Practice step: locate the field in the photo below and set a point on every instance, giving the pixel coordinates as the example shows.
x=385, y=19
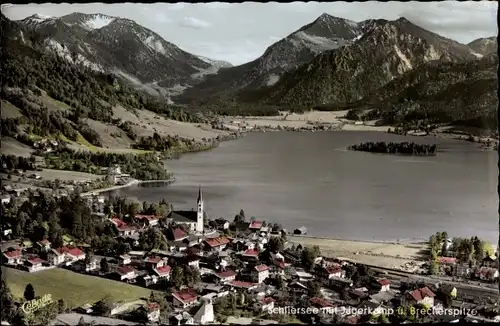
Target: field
x=76, y=289
x=387, y=255
x=10, y=146
x=10, y=111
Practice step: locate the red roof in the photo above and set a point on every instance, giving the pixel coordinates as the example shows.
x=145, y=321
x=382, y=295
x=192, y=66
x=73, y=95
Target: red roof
x=120, y=225
x=146, y=217
x=447, y=260
x=322, y=303
x=153, y=260
x=35, y=260
x=384, y=282
x=178, y=233
x=13, y=254
x=268, y=300
x=251, y=252
x=124, y=270
x=279, y=263
x=44, y=242
x=261, y=268
x=153, y=306
x=420, y=294
x=217, y=241
x=353, y=320
x=75, y=252
x=333, y=269
x=225, y=274
x=255, y=225
x=163, y=270
x=241, y=284
x=186, y=296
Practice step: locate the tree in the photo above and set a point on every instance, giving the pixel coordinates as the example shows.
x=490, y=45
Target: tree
x=104, y=265
x=103, y=307
x=276, y=244
x=314, y=289
x=178, y=277
x=433, y=267
x=242, y=213
x=309, y=255
x=29, y=292
x=8, y=304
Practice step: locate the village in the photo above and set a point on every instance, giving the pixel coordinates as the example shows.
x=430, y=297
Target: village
x=249, y=272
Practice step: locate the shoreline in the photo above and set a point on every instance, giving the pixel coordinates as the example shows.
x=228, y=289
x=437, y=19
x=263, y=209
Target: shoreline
x=129, y=184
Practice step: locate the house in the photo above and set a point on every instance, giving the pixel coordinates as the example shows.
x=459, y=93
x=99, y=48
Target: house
x=70, y=255
x=217, y=290
x=216, y=244
x=43, y=245
x=13, y=257
x=490, y=261
x=303, y=276
x=300, y=231
x=185, y=298
x=421, y=296
x=255, y=225
x=5, y=200
x=124, y=229
x=55, y=257
x=183, y=318
x=448, y=290
x=260, y=273
x=205, y=315
x=243, y=285
x=222, y=224
x=126, y=273
x=163, y=271
x=176, y=234
x=329, y=272
x=487, y=273
x=226, y=276
x=462, y=270
x=265, y=304
x=91, y=265
x=250, y=254
x=325, y=307
x=34, y=264
x=372, y=308
x=447, y=260
x=154, y=262
x=148, y=280
x=147, y=220
x=297, y=288
x=193, y=261
x=385, y=284
x=152, y=311
x=124, y=259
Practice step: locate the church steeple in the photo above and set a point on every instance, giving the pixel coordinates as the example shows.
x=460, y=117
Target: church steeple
x=200, y=196
x=200, y=212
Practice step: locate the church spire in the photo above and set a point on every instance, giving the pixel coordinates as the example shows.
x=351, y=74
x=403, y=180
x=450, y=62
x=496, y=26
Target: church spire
x=200, y=196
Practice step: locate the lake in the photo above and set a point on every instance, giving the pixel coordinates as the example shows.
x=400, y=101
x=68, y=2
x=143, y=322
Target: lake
x=309, y=179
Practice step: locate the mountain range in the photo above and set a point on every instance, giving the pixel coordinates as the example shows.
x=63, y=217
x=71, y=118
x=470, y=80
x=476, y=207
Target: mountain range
x=330, y=62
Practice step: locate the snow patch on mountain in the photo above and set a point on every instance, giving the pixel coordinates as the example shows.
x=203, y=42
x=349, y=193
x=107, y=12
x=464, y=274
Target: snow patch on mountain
x=98, y=21
x=155, y=45
x=75, y=58
x=215, y=63
x=478, y=55
x=272, y=79
x=315, y=43
x=39, y=18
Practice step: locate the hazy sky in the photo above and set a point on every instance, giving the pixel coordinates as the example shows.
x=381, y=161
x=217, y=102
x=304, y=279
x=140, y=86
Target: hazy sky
x=241, y=32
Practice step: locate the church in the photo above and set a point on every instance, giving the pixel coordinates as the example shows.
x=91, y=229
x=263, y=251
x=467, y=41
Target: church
x=194, y=219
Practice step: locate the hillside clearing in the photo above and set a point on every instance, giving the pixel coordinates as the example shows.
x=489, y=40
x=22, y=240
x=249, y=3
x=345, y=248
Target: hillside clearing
x=76, y=289
x=111, y=136
x=146, y=123
x=10, y=111
x=10, y=146
x=49, y=174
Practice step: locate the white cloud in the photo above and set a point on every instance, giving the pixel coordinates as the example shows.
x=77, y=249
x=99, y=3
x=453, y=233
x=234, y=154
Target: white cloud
x=192, y=22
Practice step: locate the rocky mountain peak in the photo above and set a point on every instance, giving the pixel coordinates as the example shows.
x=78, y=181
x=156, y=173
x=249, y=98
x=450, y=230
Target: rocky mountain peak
x=484, y=46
